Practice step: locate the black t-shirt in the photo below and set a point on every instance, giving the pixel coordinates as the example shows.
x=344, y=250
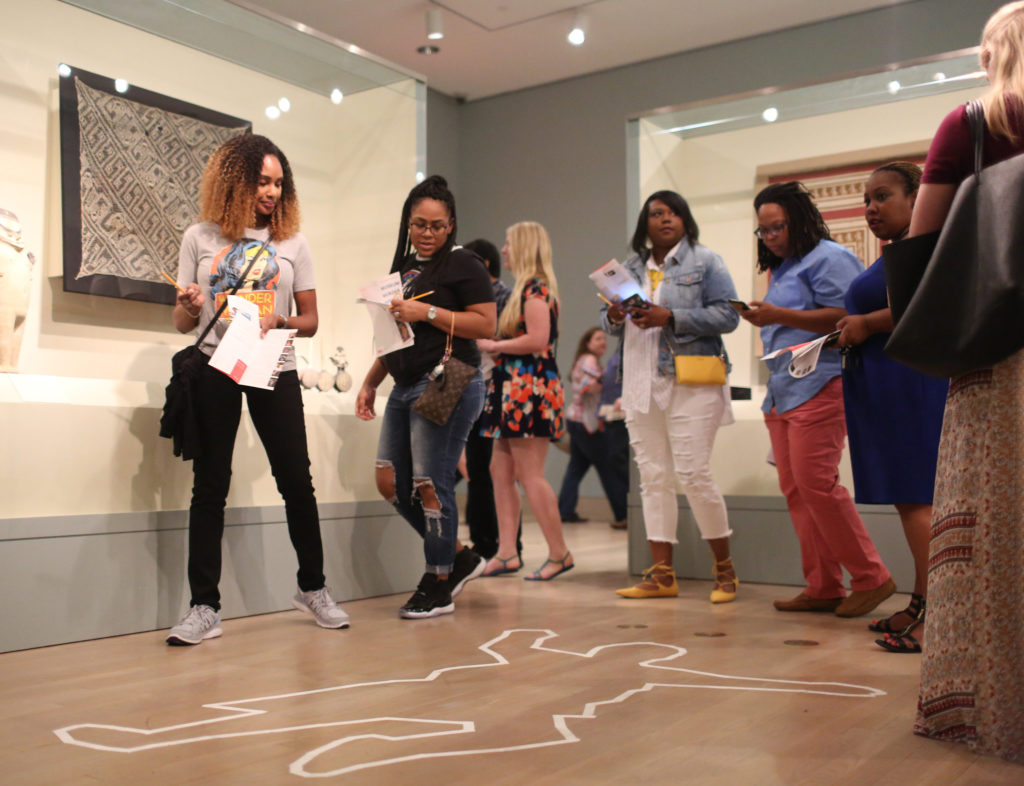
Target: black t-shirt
x=459, y=280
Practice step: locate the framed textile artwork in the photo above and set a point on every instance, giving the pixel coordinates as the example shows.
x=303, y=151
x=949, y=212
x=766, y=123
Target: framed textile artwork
x=131, y=163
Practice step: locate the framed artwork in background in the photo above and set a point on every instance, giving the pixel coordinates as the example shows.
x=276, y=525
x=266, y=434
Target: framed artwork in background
x=131, y=164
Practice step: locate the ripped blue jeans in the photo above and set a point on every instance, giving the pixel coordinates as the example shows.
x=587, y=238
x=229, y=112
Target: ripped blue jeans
x=423, y=454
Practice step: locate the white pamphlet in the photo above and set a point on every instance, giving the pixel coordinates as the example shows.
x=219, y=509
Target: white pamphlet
x=246, y=357
x=617, y=285
x=389, y=335
x=805, y=356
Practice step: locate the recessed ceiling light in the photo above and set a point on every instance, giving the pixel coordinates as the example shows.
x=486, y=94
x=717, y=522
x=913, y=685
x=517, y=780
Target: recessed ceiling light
x=336, y=96
x=428, y=49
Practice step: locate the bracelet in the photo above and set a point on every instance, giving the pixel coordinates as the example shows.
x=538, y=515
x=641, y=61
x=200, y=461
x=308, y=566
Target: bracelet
x=194, y=316
x=285, y=326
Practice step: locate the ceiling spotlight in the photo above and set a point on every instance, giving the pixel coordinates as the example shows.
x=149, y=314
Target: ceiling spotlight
x=428, y=49
x=336, y=96
x=284, y=104
x=938, y=76
x=434, y=30
x=770, y=115
x=578, y=34
x=121, y=85
x=272, y=112
x=893, y=87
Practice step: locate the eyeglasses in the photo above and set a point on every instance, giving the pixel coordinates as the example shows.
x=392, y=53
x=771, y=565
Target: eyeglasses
x=773, y=231
x=434, y=228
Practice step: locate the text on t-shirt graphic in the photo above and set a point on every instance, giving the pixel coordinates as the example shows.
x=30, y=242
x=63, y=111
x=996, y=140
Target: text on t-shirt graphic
x=260, y=285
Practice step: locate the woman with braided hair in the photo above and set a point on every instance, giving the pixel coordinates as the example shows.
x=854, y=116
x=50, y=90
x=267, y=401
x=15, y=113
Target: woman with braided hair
x=247, y=197
x=447, y=293
x=809, y=278
x=893, y=413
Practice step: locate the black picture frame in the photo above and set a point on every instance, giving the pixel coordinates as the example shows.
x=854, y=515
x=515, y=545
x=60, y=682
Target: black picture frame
x=102, y=284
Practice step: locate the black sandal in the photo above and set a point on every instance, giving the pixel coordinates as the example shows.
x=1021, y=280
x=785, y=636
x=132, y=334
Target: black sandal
x=903, y=641
x=914, y=610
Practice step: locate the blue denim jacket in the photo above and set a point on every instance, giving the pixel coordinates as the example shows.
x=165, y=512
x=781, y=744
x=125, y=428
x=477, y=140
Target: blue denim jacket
x=696, y=289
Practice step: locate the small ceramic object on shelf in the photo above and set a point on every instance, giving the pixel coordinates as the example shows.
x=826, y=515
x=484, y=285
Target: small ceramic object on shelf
x=342, y=380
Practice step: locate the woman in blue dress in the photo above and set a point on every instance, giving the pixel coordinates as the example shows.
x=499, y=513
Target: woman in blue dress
x=893, y=413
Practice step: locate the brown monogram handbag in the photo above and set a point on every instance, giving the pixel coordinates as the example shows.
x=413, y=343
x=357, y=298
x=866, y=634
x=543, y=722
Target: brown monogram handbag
x=447, y=382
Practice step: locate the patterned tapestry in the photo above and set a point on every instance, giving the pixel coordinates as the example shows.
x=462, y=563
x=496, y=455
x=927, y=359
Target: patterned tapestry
x=139, y=161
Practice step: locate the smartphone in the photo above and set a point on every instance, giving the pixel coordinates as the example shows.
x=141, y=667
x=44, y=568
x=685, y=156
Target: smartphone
x=739, y=305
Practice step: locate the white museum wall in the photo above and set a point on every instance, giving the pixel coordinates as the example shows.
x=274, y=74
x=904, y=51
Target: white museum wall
x=93, y=525
x=353, y=165
x=720, y=174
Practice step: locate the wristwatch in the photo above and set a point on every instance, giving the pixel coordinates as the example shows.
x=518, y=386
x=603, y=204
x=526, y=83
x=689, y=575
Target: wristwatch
x=432, y=313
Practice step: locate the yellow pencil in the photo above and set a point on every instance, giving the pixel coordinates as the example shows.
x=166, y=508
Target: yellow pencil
x=606, y=300
x=422, y=294
x=171, y=281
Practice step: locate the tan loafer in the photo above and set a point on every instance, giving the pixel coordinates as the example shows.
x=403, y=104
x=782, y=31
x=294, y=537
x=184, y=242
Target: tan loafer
x=861, y=602
x=803, y=602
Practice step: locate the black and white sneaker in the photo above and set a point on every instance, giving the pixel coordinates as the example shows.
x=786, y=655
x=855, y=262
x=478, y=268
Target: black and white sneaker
x=468, y=566
x=432, y=598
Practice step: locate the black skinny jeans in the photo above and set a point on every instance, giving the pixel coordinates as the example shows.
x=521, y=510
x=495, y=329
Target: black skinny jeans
x=277, y=416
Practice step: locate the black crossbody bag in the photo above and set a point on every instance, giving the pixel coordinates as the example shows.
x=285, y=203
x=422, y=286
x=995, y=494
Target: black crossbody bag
x=178, y=422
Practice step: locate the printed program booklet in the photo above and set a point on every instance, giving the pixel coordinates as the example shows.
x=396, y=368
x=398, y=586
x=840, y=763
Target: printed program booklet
x=617, y=285
x=244, y=356
x=389, y=335
x=805, y=356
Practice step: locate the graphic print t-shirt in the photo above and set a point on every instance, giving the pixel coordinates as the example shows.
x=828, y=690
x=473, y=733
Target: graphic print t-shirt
x=215, y=263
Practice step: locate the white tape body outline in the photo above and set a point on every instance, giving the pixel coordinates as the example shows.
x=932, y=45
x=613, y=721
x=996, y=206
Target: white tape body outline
x=560, y=721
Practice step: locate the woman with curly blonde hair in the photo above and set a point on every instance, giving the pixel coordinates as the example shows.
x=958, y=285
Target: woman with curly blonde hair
x=972, y=685
x=523, y=409
x=248, y=201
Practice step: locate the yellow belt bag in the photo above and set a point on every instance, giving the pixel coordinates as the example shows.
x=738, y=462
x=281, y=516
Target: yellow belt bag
x=700, y=369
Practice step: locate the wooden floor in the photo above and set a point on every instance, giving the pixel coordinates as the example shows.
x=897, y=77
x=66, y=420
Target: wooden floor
x=560, y=683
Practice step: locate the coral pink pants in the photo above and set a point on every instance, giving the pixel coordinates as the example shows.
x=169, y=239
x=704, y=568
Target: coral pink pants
x=808, y=442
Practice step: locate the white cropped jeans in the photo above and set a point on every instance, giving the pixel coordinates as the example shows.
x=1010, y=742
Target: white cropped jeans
x=675, y=444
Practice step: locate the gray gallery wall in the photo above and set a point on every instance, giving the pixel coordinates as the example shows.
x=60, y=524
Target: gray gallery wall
x=557, y=153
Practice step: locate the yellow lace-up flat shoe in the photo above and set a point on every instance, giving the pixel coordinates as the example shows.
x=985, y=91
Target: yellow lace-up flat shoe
x=659, y=581
x=724, y=574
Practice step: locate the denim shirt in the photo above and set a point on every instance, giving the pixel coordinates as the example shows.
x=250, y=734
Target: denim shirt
x=818, y=280
x=696, y=289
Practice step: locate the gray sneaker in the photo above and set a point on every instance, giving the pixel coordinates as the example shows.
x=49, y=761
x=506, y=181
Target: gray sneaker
x=321, y=605
x=200, y=622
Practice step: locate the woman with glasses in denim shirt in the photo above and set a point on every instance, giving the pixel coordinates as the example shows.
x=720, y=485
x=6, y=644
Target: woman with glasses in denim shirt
x=444, y=290
x=810, y=275
x=672, y=426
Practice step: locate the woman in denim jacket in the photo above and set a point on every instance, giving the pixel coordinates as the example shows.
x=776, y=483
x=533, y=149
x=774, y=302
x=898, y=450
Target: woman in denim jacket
x=672, y=426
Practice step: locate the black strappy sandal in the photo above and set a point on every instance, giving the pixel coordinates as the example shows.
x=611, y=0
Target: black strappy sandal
x=914, y=610
x=904, y=641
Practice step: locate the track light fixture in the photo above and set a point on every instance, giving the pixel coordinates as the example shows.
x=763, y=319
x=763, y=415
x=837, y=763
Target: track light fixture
x=578, y=33
x=435, y=30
